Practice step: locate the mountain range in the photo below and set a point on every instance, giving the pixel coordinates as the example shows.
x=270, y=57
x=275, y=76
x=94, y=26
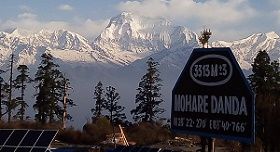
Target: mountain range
x=118, y=56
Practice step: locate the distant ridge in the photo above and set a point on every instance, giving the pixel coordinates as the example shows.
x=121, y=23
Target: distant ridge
x=127, y=38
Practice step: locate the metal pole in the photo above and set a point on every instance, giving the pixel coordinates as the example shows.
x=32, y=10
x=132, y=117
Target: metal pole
x=211, y=145
x=203, y=144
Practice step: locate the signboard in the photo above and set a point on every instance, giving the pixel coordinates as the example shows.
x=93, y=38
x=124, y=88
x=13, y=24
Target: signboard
x=212, y=97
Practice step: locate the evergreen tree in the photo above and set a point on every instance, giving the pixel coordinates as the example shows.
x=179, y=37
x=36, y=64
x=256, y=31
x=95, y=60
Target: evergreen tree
x=112, y=106
x=274, y=117
x=64, y=87
x=261, y=71
x=148, y=97
x=50, y=91
x=115, y=110
x=99, y=100
x=1, y=94
x=275, y=77
x=265, y=82
x=20, y=83
x=1, y=98
x=4, y=91
x=11, y=104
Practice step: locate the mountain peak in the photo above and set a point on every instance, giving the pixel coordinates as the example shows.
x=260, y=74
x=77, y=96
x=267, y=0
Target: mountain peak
x=20, y=32
x=122, y=18
x=15, y=32
x=43, y=31
x=135, y=37
x=125, y=13
x=272, y=35
x=137, y=20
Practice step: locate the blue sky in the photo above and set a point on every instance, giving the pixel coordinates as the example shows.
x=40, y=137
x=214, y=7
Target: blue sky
x=228, y=19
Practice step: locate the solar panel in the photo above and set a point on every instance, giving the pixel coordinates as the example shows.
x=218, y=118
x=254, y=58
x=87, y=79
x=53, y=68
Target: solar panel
x=31, y=137
x=4, y=134
x=8, y=149
x=38, y=149
x=23, y=149
x=20, y=140
x=46, y=138
x=15, y=137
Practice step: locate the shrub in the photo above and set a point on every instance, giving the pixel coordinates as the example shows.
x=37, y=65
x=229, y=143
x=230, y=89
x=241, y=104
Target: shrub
x=72, y=136
x=98, y=129
x=146, y=133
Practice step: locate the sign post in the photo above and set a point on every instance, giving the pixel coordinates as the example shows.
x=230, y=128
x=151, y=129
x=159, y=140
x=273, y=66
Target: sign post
x=212, y=97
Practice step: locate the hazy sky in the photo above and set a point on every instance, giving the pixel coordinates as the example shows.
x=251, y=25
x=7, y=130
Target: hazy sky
x=228, y=19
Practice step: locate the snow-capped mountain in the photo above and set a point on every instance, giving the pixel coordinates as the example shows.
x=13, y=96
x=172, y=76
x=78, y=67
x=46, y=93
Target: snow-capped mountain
x=245, y=50
x=118, y=55
x=62, y=44
x=129, y=37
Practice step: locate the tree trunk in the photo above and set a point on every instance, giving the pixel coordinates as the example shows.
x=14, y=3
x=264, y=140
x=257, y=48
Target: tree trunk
x=10, y=90
x=64, y=106
x=22, y=101
x=0, y=100
x=111, y=117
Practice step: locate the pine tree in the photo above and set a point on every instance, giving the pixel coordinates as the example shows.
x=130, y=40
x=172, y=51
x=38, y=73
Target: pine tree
x=112, y=106
x=1, y=98
x=148, y=97
x=116, y=114
x=11, y=103
x=274, y=117
x=275, y=78
x=50, y=91
x=261, y=71
x=1, y=94
x=4, y=91
x=64, y=87
x=99, y=100
x=265, y=81
x=20, y=83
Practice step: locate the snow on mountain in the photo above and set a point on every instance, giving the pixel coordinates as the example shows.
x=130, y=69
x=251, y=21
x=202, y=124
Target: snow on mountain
x=245, y=50
x=62, y=44
x=129, y=37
